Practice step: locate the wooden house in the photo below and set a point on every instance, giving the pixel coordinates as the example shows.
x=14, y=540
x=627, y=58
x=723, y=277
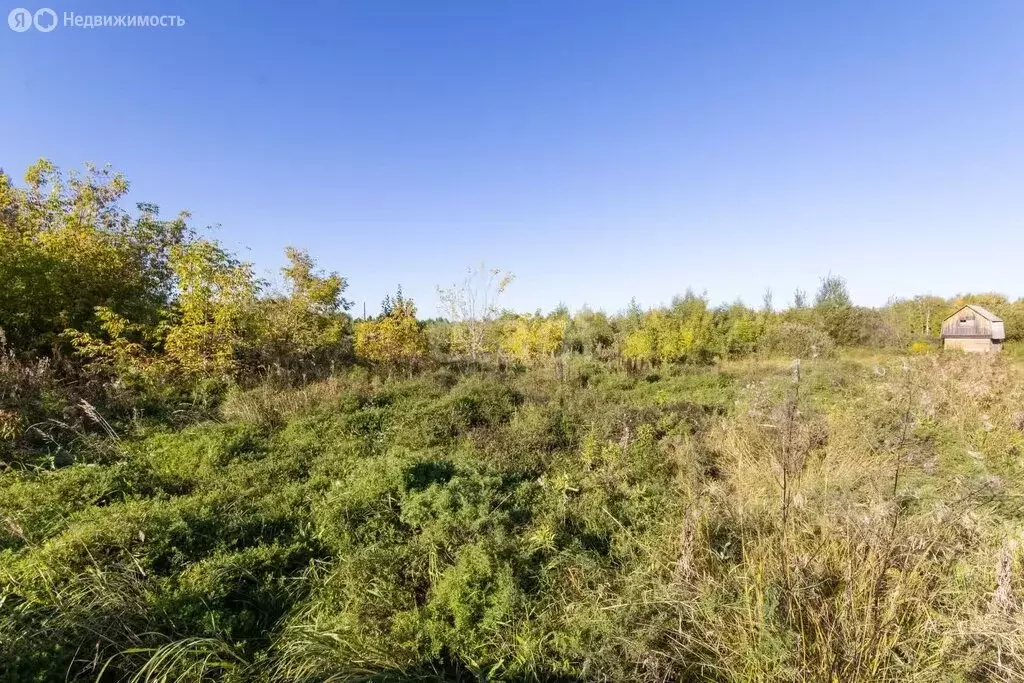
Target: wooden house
x=974, y=329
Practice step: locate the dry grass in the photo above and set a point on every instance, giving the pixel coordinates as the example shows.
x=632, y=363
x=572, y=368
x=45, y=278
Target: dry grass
x=878, y=533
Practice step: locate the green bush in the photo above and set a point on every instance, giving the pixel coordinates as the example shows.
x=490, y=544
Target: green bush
x=797, y=340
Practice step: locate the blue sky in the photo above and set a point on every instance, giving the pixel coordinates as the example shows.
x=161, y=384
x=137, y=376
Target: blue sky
x=600, y=150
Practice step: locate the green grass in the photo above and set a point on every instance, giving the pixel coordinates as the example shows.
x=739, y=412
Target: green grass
x=863, y=522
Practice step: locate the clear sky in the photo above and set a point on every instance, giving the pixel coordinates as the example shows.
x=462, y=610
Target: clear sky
x=600, y=150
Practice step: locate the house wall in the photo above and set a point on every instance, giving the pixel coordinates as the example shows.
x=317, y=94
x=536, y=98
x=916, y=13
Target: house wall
x=971, y=345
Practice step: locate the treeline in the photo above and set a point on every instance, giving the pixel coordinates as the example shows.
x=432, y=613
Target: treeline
x=689, y=330
x=692, y=330
x=134, y=309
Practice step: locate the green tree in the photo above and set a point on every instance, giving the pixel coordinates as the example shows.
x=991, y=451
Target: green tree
x=834, y=312
x=67, y=247
x=306, y=329
x=589, y=332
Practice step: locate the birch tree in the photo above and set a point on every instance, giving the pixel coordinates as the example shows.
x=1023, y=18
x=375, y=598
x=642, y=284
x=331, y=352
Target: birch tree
x=471, y=306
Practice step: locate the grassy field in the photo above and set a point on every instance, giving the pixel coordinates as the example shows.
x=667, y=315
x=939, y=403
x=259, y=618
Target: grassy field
x=849, y=519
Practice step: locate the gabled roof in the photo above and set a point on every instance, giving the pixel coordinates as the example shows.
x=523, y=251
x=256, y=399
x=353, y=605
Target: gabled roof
x=980, y=310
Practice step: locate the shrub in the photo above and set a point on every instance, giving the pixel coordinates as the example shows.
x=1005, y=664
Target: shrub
x=798, y=340
x=923, y=346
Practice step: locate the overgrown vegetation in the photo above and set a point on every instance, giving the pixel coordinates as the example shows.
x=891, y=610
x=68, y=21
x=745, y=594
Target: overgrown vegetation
x=202, y=478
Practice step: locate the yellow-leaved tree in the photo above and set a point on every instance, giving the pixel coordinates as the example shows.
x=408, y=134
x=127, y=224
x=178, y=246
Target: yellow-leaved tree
x=395, y=338
x=641, y=343
x=528, y=339
x=215, y=304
